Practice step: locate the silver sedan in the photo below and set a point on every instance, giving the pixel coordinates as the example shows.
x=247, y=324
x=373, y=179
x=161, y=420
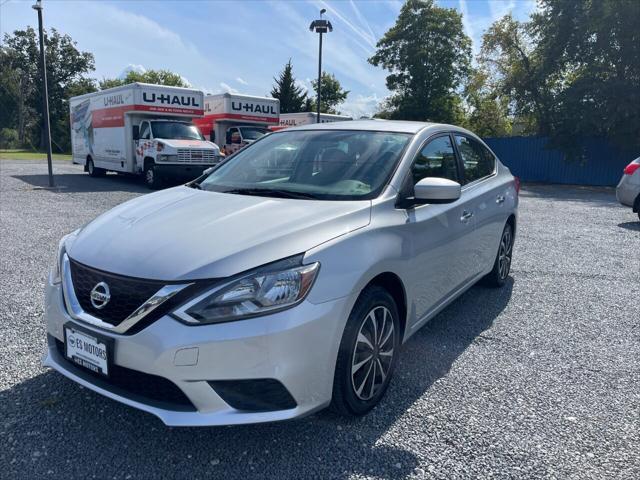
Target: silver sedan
x=628, y=190
x=287, y=279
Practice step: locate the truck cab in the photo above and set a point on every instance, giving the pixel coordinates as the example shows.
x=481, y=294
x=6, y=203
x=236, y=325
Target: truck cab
x=171, y=148
x=239, y=136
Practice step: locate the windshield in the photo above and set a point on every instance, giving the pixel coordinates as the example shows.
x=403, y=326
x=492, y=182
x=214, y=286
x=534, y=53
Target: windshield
x=321, y=164
x=175, y=131
x=253, y=133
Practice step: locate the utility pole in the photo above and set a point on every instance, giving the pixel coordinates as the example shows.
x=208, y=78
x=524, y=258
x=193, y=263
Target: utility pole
x=45, y=91
x=320, y=26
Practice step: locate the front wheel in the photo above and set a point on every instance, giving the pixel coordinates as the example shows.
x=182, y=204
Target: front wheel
x=93, y=170
x=502, y=264
x=151, y=178
x=368, y=353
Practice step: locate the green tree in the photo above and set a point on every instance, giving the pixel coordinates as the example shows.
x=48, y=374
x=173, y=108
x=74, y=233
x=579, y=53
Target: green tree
x=66, y=69
x=509, y=57
x=332, y=94
x=428, y=57
x=292, y=97
x=487, y=111
x=592, y=48
x=159, y=77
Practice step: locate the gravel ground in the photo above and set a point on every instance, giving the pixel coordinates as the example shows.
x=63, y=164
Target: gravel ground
x=539, y=379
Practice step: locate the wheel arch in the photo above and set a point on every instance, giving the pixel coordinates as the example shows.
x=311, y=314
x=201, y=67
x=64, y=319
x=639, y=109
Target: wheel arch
x=393, y=284
x=512, y=221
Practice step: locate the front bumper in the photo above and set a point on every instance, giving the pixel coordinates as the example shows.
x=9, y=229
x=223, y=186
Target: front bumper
x=189, y=171
x=297, y=347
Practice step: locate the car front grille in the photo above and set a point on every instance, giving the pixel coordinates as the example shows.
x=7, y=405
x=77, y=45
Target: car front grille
x=133, y=384
x=192, y=155
x=127, y=294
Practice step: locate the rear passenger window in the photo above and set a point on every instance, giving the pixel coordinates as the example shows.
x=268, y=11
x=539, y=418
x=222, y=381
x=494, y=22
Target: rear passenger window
x=477, y=160
x=436, y=159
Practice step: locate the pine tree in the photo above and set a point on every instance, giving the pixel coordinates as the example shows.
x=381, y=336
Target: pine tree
x=292, y=97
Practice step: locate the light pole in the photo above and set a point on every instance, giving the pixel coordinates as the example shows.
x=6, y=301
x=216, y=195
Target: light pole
x=320, y=26
x=45, y=91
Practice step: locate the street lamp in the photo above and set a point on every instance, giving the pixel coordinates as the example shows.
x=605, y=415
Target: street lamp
x=45, y=96
x=320, y=26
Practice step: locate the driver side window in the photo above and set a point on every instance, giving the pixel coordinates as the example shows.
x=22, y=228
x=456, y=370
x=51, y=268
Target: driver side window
x=436, y=159
x=145, y=131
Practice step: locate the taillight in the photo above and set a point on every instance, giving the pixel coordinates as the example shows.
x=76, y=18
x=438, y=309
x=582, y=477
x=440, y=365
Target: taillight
x=631, y=168
x=517, y=180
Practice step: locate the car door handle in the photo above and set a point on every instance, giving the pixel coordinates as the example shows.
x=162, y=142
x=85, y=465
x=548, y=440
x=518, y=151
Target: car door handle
x=466, y=216
x=500, y=199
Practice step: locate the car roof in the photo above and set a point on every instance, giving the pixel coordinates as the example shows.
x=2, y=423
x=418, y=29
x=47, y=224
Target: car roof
x=399, y=126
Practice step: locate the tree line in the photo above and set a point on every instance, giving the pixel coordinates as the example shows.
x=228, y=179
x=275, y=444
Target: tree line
x=572, y=70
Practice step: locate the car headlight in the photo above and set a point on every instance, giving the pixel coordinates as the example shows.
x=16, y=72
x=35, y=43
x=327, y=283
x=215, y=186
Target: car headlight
x=272, y=288
x=167, y=158
x=56, y=271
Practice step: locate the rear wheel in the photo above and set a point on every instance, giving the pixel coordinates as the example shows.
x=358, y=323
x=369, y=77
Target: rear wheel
x=151, y=178
x=502, y=265
x=93, y=170
x=368, y=353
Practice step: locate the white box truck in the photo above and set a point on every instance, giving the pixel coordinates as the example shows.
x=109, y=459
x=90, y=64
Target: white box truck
x=141, y=129
x=305, y=118
x=233, y=121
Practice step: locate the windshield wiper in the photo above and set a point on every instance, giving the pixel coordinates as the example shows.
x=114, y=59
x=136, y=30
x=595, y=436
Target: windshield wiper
x=194, y=184
x=271, y=192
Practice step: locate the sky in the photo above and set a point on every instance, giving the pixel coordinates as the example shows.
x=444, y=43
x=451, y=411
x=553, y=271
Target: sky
x=239, y=46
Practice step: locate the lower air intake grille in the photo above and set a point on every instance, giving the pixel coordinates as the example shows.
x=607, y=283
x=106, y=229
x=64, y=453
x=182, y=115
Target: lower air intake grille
x=259, y=395
x=139, y=386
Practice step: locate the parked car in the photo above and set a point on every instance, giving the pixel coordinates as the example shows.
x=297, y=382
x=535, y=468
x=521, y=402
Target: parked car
x=628, y=190
x=242, y=297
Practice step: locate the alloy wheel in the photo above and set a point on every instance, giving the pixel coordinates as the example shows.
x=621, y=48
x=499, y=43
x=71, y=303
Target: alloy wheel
x=373, y=353
x=504, y=254
x=149, y=176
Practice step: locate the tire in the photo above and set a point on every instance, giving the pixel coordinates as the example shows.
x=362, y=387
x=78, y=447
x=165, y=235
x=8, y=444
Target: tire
x=502, y=264
x=151, y=178
x=95, y=171
x=356, y=392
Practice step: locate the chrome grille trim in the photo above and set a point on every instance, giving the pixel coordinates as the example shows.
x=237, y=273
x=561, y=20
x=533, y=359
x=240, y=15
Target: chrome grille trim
x=75, y=310
x=195, y=155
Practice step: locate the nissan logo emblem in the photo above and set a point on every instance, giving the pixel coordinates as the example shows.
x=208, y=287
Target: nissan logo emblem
x=100, y=295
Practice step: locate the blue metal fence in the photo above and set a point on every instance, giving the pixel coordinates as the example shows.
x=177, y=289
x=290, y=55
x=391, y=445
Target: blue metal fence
x=528, y=159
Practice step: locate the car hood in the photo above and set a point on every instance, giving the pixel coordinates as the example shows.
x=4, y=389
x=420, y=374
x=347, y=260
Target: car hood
x=187, y=143
x=185, y=234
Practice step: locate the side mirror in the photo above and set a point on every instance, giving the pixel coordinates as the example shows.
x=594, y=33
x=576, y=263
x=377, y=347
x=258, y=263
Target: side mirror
x=436, y=190
x=136, y=132
x=212, y=136
x=432, y=190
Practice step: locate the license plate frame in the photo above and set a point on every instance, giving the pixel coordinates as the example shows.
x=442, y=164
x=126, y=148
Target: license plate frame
x=88, y=362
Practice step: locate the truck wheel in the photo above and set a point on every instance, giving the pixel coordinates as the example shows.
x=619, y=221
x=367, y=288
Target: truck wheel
x=151, y=178
x=95, y=171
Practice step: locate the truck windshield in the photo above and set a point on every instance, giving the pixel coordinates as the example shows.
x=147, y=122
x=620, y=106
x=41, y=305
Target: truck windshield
x=313, y=164
x=253, y=133
x=175, y=130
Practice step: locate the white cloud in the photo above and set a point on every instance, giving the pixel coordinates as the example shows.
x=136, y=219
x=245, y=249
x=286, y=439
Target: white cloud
x=241, y=81
x=361, y=105
x=228, y=88
x=131, y=68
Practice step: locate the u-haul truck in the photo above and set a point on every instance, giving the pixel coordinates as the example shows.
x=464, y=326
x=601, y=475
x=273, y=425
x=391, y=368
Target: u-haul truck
x=305, y=118
x=233, y=121
x=141, y=129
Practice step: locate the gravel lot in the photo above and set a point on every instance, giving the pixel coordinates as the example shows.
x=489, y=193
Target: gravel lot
x=540, y=379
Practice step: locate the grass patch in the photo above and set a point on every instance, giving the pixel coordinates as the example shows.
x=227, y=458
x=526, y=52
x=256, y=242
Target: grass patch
x=29, y=155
